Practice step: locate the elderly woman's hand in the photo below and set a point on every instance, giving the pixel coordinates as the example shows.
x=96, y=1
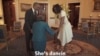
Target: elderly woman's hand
x=39, y=15
x=57, y=31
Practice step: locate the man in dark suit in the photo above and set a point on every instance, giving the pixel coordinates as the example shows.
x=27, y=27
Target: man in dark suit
x=30, y=18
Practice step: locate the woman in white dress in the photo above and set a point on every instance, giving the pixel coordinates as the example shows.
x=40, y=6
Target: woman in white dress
x=65, y=29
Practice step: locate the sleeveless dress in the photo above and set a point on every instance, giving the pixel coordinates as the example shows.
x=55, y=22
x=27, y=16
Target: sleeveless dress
x=65, y=31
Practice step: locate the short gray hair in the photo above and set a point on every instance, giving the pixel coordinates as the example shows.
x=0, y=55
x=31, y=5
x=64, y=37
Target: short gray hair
x=40, y=17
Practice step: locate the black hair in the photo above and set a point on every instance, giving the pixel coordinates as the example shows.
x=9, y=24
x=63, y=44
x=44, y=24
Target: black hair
x=35, y=4
x=56, y=8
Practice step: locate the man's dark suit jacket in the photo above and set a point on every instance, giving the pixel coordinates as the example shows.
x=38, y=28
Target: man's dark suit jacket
x=30, y=17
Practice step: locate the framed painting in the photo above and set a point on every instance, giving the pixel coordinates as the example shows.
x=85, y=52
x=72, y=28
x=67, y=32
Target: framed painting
x=97, y=5
x=25, y=7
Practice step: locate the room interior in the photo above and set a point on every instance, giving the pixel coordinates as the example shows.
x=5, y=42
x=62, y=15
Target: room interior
x=81, y=13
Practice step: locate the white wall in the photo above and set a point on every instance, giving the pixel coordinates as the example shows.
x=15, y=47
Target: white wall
x=1, y=13
x=51, y=22
x=21, y=14
x=87, y=9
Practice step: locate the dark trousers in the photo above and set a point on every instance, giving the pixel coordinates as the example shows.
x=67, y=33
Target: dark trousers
x=29, y=44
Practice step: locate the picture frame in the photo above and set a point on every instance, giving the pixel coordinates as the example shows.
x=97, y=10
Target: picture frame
x=17, y=26
x=97, y=5
x=25, y=7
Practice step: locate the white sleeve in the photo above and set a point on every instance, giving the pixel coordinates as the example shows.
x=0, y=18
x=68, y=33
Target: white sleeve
x=63, y=16
x=63, y=13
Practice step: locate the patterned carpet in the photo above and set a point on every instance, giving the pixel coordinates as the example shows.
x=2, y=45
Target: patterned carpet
x=79, y=48
x=80, y=44
x=17, y=48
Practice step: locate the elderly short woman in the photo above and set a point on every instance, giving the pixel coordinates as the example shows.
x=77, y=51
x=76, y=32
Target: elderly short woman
x=39, y=30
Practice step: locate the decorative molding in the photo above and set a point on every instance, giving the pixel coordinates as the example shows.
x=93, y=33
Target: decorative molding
x=41, y=0
x=21, y=18
x=52, y=17
x=93, y=19
x=97, y=0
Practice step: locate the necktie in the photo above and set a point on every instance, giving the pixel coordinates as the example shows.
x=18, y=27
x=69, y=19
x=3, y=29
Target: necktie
x=35, y=12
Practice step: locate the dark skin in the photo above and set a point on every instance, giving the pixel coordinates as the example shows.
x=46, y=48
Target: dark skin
x=36, y=7
x=57, y=10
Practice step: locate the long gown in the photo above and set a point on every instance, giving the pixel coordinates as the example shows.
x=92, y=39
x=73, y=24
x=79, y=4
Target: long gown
x=65, y=31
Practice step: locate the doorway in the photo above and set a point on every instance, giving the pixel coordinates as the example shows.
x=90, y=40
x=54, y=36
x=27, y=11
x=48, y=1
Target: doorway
x=44, y=9
x=74, y=14
x=9, y=13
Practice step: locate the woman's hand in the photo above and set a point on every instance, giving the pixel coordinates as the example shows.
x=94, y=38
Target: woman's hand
x=57, y=31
